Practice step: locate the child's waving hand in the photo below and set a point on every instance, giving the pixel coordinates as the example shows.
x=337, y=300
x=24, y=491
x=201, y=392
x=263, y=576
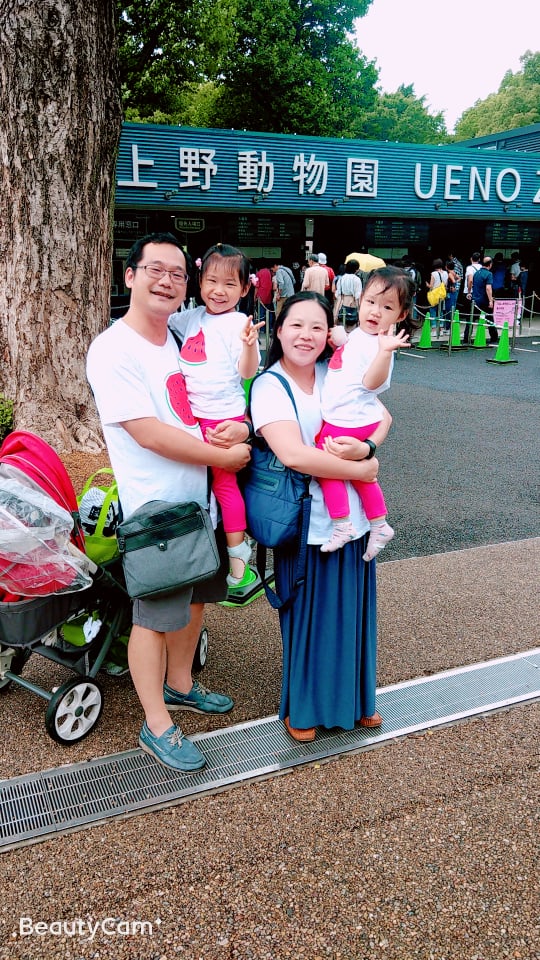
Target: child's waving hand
x=390, y=341
x=250, y=334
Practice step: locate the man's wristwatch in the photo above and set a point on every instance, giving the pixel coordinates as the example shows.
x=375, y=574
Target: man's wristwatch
x=372, y=448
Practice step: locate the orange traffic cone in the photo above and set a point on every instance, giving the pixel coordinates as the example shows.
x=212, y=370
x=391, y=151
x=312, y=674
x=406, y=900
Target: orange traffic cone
x=503, y=350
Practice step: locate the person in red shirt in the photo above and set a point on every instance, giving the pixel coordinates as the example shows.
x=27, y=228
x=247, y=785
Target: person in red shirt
x=264, y=295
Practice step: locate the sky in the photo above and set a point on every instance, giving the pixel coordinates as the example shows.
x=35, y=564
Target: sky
x=453, y=54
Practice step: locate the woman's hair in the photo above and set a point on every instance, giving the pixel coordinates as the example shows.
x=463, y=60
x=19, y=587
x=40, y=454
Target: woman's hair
x=437, y=264
x=394, y=278
x=236, y=261
x=275, y=351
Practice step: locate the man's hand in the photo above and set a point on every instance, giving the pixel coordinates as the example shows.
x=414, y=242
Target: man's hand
x=227, y=433
x=236, y=457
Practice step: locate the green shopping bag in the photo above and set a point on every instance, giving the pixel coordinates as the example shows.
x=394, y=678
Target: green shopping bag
x=98, y=510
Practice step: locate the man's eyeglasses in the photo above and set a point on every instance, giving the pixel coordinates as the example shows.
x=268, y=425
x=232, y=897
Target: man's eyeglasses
x=156, y=273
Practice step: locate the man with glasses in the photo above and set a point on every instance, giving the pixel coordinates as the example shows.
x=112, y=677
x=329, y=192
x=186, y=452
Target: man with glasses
x=157, y=453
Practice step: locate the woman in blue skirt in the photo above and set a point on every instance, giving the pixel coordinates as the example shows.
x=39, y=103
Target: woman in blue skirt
x=329, y=632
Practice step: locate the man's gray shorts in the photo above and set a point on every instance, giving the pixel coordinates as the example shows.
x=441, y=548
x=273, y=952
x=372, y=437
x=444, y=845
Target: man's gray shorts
x=166, y=614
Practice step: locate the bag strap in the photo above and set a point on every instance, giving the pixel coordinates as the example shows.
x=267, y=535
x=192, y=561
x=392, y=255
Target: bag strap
x=299, y=574
x=177, y=337
x=90, y=482
x=111, y=493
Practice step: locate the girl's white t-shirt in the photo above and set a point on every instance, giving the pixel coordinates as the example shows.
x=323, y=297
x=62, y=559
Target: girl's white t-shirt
x=271, y=404
x=345, y=400
x=211, y=349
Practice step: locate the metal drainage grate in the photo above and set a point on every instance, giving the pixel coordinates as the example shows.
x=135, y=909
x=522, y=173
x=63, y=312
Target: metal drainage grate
x=43, y=804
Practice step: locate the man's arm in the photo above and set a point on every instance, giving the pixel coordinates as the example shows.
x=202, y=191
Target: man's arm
x=175, y=444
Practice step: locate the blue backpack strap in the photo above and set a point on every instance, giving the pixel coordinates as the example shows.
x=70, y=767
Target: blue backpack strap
x=284, y=383
x=300, y=564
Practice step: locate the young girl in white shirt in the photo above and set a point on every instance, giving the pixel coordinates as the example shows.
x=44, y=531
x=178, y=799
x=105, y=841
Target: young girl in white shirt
x=220, y=349
x=358, y=371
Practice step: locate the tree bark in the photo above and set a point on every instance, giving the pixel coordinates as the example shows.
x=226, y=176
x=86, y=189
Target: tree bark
x=59, y=133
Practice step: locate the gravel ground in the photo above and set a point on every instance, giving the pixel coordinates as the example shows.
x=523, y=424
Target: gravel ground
x=426, y=849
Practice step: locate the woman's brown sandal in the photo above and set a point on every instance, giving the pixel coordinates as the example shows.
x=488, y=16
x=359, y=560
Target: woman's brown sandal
x=374, y=721
x=302, y=736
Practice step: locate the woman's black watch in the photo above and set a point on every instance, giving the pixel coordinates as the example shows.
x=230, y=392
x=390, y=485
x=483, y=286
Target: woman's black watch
x=372, y=448
x=251, y=435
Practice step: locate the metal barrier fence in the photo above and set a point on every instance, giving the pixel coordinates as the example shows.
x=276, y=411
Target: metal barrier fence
x=515, y=312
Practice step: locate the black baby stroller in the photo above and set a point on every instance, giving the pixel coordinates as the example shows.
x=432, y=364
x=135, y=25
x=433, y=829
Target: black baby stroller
x=47, y=592
x=68, y=609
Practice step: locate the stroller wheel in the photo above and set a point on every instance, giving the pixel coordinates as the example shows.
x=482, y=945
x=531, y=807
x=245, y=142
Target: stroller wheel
x=201, y=653
x=12, y=660
x=74, y=709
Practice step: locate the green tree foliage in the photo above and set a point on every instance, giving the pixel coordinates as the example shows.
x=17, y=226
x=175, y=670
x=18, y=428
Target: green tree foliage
x=516, y=103
x=404, y=117
x=167, y=48
x=283, y=66
x=286, y=66
x=295, y=69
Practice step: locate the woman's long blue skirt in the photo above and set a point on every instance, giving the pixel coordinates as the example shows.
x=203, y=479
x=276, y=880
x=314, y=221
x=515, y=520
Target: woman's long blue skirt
x=329, y=638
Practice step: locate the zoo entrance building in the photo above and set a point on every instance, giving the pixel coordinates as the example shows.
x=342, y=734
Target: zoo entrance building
x=278, y=196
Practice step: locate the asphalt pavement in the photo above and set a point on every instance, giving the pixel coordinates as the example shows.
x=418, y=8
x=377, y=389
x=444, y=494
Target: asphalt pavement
x=461, y=464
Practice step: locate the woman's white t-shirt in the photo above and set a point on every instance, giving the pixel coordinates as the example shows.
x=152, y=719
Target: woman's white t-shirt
x=271, y=404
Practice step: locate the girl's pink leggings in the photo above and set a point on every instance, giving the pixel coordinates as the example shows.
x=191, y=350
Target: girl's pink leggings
x=335, y=491
x=226, y=490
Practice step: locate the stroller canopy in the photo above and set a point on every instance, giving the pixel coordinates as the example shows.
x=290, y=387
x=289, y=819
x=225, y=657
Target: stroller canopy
x=36, y=458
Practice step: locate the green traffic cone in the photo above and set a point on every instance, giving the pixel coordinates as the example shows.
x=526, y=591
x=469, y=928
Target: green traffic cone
x=480, y=335
x=455, y=336
x=503, y=350
x=425, y=337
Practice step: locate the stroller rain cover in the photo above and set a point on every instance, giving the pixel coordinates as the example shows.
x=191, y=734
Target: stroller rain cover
x=39, y=523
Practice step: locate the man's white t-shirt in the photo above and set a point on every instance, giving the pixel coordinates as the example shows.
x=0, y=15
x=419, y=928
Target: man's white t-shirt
x=270, y=404
x=132, y=378
x=470, y=272
x=211, y=349
x=345, y=401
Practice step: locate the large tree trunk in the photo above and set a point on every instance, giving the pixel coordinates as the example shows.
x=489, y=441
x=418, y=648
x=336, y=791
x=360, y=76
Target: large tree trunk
x=59, y=131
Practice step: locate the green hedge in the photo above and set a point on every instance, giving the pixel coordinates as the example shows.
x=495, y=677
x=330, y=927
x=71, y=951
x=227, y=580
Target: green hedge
x=6, y=417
